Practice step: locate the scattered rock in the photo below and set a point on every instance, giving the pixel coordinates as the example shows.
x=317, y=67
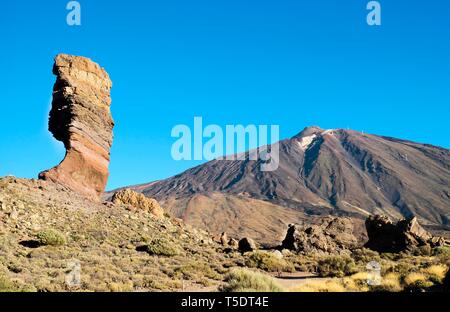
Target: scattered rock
x=14, y=215
x=405, y=235
x=333, y=235
x=233, y=243
x=247, y=244
x=178, y=222
x=138, y=201
x=81, y=118
x=224, y=239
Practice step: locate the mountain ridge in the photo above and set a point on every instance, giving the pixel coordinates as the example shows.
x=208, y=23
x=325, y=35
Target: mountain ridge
x=321, y=172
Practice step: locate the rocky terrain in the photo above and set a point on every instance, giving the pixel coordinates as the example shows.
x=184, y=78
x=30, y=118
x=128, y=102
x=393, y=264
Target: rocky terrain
x=53, y=239
x=279, y=230
x=322, y=172
x=81, y=118
x=46, y=228
x=387, y=236
x=331, y=236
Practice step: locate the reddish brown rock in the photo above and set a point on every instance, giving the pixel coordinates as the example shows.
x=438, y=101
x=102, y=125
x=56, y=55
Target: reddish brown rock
x=81, y=118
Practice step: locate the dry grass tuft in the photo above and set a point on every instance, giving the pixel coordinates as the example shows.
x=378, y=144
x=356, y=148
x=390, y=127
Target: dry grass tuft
x=244, y=280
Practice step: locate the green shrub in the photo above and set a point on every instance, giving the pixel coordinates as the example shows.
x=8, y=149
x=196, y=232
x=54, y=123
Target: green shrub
x=423, y=251
x=402, y=268
x=51, y=238
x=391, y=256
x=161, y=247
x=442, y=251
x=267, y=261
x=244, y=280
x=336, y=266
x=365, y=255
x=6, y=285
x=195, y=270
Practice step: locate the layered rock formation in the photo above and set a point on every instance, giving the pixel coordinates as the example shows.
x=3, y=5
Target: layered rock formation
x=81, y=118
x=138, y=201
x=407, y=234
x=333, y=235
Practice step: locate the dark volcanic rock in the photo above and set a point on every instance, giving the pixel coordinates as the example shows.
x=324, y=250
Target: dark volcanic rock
x=247, y=244
x=407, y=234
x=333, y=235
x=81, y=118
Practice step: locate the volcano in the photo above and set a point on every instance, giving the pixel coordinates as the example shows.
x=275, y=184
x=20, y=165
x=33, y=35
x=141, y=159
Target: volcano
x=321, y=172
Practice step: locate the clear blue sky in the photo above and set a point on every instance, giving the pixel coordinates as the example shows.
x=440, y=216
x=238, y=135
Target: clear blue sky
x=292, y=63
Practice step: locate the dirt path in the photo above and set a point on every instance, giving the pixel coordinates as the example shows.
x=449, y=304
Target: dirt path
x=286, y=280
x=291, y=280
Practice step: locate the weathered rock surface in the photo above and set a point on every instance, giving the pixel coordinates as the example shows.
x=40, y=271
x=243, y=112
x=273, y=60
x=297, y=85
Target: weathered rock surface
x=333, y=235
x=138, y=201
x=233, y=243
x=224, y=239
x=247, y=244
x=407, y=234
x=81, y=118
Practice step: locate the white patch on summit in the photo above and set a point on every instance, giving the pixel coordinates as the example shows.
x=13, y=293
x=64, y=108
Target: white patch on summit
x=305, y=142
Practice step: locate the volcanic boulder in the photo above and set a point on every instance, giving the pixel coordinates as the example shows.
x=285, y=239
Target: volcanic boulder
x=332, y=235
x=405, y=235
x=80, y=117
x=247, y=244
x=138, y=201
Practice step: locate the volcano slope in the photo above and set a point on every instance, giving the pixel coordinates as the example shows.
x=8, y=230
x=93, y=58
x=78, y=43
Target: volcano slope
x=321, y=172
x=53, y=239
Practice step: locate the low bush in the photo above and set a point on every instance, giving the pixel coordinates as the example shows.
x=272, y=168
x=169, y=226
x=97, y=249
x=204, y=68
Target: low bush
x=6, y=285
x=365, y=255
x=417, y=281
x=267, y=261
x=244, y=280
x=436, y=273
x=442, y=251
x=161, y=247
x=50, y=238
x=336, y=266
